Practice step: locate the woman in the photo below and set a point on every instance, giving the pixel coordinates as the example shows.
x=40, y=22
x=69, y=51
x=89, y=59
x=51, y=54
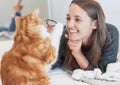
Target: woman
x=88, y=42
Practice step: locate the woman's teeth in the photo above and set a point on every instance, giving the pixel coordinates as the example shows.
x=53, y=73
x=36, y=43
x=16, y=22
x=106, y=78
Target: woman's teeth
x=73, y=31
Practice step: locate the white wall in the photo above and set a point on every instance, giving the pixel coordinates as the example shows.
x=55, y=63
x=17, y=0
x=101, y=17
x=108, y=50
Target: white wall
x=6, y=9
x=58, y=9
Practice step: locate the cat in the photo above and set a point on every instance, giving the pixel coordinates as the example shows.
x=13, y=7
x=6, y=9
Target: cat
x=32, y=50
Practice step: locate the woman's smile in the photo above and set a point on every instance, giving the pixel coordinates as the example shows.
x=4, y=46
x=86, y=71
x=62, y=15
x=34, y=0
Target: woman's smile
x=73, y=31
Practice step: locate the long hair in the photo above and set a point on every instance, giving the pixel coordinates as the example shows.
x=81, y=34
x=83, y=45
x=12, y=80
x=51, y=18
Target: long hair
x=99, y=35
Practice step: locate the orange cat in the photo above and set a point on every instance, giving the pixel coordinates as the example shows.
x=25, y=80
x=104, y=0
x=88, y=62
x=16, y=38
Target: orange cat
x=24, y=63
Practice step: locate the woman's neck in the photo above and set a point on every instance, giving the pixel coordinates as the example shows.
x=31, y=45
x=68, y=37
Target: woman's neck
x=87, y=42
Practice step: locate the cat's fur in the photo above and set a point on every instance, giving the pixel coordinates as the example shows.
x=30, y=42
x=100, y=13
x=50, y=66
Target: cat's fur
x=24, y=63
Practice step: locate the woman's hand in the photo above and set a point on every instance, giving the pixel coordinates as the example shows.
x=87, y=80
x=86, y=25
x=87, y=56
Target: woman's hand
x=74, y=45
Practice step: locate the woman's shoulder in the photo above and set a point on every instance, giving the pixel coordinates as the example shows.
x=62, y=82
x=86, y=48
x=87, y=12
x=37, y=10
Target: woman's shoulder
x=113, y=35
x=112, y=29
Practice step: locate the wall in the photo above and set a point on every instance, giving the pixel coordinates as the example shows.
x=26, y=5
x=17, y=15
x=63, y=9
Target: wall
x=58, y=9
x=6, y=9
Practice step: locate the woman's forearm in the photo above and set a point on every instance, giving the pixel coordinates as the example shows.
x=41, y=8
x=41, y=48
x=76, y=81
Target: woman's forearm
x=82, y=61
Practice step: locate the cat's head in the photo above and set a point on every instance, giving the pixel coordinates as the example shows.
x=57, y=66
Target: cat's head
x=29, y=27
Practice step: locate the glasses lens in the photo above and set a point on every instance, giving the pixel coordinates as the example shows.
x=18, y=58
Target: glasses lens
x=51, y=22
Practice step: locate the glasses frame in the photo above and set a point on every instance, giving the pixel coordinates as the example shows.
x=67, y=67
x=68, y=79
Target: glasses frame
x=52, y=21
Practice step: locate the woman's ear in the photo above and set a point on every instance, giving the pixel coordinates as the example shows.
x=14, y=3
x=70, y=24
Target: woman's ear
x=95, y=24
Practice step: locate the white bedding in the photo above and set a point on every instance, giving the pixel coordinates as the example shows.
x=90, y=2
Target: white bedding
x=60, y=77
x=65, y=79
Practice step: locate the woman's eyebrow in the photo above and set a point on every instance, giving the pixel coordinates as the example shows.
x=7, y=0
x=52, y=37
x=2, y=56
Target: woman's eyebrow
x=75, y=15
x=67, y=14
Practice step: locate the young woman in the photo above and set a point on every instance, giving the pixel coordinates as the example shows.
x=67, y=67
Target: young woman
x=88, y=42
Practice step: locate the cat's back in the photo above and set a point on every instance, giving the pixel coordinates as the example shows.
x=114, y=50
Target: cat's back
x=9, y=60
x=16, y=71
x=7, y=65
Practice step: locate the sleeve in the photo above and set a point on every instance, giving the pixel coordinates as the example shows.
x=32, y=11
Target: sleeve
x=12, y=23
x=110, y=49
x=61, y=52
x=90, y=67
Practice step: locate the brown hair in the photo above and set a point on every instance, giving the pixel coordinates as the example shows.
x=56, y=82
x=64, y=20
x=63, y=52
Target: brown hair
x=99, y=35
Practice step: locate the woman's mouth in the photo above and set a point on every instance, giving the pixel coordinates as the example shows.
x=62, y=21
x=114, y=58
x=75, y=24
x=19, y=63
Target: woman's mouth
x=73, y=31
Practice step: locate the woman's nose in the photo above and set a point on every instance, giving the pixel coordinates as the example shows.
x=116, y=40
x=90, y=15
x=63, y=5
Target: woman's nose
x=70, y=23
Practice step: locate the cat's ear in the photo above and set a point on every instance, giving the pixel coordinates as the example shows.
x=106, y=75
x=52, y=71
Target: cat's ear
x=35, y=12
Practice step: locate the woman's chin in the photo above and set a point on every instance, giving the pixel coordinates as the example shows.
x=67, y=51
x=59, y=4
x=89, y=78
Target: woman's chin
x=72, y=37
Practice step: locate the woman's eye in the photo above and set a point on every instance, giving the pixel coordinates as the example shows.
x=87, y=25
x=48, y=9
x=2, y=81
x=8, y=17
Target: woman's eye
x=77, y=20
x=67, y=18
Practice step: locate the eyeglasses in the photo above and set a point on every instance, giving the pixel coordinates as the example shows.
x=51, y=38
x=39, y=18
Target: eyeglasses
x=51, y=23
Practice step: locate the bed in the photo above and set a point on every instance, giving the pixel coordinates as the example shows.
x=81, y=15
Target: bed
x=59, y=76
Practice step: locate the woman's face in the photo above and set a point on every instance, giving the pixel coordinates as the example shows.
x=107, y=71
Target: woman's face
x=79, y=24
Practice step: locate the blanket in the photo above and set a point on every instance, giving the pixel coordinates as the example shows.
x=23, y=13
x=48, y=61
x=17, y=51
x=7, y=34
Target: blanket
x=5, y=35
x=96, y=77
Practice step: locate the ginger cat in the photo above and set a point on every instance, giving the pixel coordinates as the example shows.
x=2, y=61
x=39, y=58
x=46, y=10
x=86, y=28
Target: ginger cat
x=24, y=63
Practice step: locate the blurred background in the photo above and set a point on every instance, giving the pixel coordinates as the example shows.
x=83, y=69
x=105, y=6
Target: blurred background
x=7, y=11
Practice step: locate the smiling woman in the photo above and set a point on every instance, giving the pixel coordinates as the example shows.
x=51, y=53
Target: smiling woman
x=88, y=41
